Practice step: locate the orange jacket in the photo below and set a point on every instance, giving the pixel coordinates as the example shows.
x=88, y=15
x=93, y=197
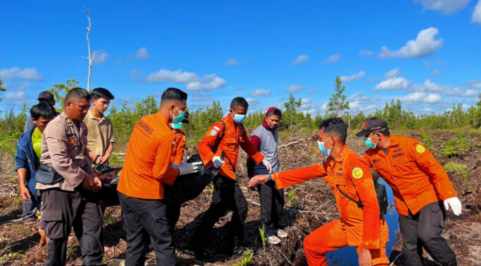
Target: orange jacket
x=223, y=139
x=415, y=176
x=351, y=175
x=178, y=154
x=148, y=159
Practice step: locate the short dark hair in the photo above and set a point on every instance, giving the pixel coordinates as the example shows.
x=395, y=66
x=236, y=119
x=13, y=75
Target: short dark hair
x=98, y=93
x=274, y=111
x=46, y=96
x=173, y=94
x=239, y=101
x=77, y=93
x=42, y=109
x=335, y=125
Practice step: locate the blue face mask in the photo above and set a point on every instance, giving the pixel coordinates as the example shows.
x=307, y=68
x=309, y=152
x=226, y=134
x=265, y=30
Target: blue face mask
x=369, y=144
x=239, y=118
x=325, y=152
x=177, y=121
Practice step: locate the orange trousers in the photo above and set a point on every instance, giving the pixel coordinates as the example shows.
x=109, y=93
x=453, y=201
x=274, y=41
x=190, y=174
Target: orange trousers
x=332, y=236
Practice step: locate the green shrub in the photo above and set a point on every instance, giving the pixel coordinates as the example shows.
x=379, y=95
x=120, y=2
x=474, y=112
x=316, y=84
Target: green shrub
x=263, y=236
x=426, y=139
x=292, y=198
x=457, y=169
x=247, y=258
x=456, y=146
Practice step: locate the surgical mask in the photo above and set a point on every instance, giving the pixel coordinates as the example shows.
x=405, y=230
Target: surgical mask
x=325, y=152
x=369, y=144
x=239, y=118
x=177, y=121
x=178, y=125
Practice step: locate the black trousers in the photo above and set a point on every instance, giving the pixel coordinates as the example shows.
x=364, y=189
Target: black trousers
x=272, y=207
x=185, y=188
x=145, y=222
x=63, y=210
x=424, y=230
x=272, y=202
x=227, y=197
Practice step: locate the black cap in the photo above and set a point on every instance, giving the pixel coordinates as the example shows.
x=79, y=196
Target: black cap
x=46, y=96
x=372, y=125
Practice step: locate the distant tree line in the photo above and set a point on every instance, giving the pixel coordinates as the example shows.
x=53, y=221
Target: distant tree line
x=125, y=115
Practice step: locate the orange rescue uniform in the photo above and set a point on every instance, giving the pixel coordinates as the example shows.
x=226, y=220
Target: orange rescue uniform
x=179, y=150
x=223, y=139
x=361, y=228
x=149, y=158
x=416, y=177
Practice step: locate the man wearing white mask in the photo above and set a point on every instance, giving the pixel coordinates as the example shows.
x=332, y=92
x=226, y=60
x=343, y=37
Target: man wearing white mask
x=219, y=148
x=421, y=188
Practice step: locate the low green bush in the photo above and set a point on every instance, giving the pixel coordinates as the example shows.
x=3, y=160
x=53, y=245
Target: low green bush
x=457, y=169
x=457, y=146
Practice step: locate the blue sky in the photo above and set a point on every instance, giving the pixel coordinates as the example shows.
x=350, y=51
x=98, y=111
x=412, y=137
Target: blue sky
x=424, y=52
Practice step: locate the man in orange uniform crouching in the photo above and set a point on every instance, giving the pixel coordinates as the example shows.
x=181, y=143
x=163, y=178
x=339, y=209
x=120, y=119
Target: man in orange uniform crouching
x=348, y=175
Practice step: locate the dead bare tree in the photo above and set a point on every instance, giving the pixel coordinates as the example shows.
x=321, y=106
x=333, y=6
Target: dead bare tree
x=90, y=57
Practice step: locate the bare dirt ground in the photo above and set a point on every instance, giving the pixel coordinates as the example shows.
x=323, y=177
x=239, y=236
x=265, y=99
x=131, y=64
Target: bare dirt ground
x=308, y=206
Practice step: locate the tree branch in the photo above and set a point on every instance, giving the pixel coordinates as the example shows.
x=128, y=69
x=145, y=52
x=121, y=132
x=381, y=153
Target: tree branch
x=89, y=52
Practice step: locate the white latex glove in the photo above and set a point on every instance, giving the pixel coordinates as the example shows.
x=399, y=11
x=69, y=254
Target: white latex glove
x=217, y=161
x=189, y=168
x=454, y=204
x=268, y=165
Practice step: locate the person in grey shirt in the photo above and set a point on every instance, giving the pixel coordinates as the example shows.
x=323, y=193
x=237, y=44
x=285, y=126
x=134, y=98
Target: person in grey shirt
x=265, y=138
x=68, y=185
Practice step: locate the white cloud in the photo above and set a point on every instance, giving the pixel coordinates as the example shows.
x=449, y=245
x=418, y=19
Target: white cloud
x=20, y=73
x=15, y=96
x=424, y=97
x=99, y=57
x=208, y=82
x=301, y=59
x=251, y=101
x=190, y=79
x=177, y=76
x=142, y=54
x=477, y=13
x=393, y=81
x=356, y=76
x=307, y=106
x=443, y=6
x=334, y=58
x=232, y=62
x=471, y=93
x=362, y=103
x=261, y=92
x=425, y=44
x=476, y=84
x=429, y=85
x=295, y=88
x=393, y=73
x=366, y=52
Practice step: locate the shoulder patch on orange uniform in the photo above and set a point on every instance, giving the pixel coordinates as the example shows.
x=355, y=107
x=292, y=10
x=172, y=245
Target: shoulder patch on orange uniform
x=214, y=131
x=420, y=149
x=357, y=173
